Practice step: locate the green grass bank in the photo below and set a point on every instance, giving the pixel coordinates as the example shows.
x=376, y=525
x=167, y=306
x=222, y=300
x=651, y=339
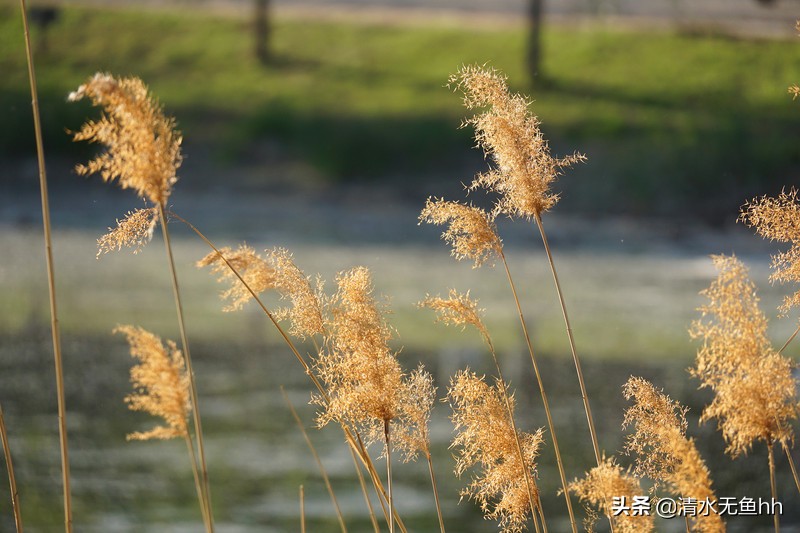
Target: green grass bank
x=671, y=123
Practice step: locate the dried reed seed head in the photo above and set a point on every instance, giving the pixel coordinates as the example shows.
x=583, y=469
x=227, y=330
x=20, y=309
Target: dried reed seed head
x=305, y=313
x=457, y=310
x=471, y=231
x=133, y=231
x=363, y=378
x=778, y=219
x=413, y=436
x=254, y=270
x=599, y=488
x=663, y=451
x=755, y=395
x=143, y=149
x=524, y=168
x=485, y=437
x=160, y=383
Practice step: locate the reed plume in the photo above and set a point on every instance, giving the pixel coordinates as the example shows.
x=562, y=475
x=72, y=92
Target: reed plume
x=778, y=219
x=509, y=133
x=143, y=149
x=365, y=384
x=133, y=231
x=663, y=452
x=162, y=387
x=486, y=437
x=160, y=382
x=258, y=275
x=471, y=231
x=600, y=486
x=754, y=391
x=143, y=152
x=277, y=271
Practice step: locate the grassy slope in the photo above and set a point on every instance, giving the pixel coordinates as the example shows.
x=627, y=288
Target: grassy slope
x=665, y=119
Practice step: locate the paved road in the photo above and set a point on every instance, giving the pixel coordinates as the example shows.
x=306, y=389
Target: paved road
x=746, y=15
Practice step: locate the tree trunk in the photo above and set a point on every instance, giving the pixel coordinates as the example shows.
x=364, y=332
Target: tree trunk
x=535, y=39
x=261, y=30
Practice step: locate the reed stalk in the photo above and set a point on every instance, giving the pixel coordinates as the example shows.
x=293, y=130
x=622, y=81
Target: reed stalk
x=772, y=484
x=790, y=339
x=363, y=486
x=302, y=511
x=314, y=453
x=545, y=402
x=12, y=480
x=570, y=336
x=176, y=293
x=791, y=465
x=387, y=438
x=197, y=483
x=435, y=491
x=51, y=282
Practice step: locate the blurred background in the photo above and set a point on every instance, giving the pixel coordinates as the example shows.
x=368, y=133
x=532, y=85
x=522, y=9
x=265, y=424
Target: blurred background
x=322, y=126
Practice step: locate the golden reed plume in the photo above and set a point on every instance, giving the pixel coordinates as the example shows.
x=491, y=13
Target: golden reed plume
x=778, y=219
x=486, y=437
x=524, y=168
x=600, y=486
x=471, y=231
x=143, y=147
x=663, y=452
x=160, y=382
x=277, y=271
x=754, y=390
x=133, y=231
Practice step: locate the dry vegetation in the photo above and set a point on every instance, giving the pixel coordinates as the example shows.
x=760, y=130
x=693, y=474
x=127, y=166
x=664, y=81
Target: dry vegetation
x=344, y=340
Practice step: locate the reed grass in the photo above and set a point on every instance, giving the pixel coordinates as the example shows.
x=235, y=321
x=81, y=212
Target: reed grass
x=360, y=384
x=314, y=454
x=51, y=280
x=12, y=480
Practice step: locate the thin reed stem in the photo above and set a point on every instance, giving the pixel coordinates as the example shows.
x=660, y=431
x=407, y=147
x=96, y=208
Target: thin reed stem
x=686, y=519
x=541, y=513
x=791, y=465
x=387, y=437
x=354, y=442
x=435, y=491
x=12, y=480
x=302, y=511
x=176, y=293
x=584, y=396
x=197, y=483
x=545, y=402
x=363, y=486
x=790, y=339
x=51, y=280
x=772, y=484
x=314, y=453
x=536, y=526
x=528, y=483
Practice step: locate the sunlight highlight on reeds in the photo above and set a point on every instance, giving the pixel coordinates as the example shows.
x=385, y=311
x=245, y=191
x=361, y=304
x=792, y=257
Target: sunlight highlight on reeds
x=485, y=438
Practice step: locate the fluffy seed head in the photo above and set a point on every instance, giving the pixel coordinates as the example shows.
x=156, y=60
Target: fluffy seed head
x=778, y=219
x=143, y=149
x=485, y=437
x=524, y=169
x=363, y=378
x=458, y=310
x=663, y=451
x=133, y=231
x=471, y=231
x=255, y=271
x=754, y=392
x=599, y=488
x=413, y=435
x=160, y=383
